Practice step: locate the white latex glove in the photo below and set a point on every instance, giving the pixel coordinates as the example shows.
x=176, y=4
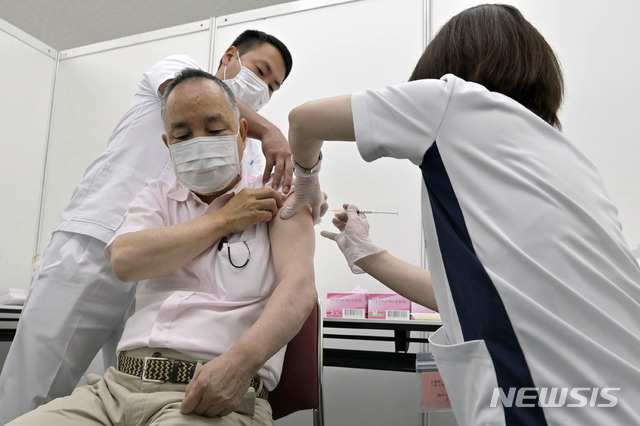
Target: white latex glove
x=353, y=238
x=307, y=192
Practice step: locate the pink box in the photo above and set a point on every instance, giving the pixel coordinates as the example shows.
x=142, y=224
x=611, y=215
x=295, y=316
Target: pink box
x=421, y=309
x=347, y=305
x=388, y=306
x=419, y=312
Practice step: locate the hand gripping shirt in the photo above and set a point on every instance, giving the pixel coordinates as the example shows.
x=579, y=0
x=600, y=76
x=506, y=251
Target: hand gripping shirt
x=538, y=292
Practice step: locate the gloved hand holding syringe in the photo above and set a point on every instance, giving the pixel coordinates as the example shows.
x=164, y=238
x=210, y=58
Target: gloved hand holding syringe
x=353, y=239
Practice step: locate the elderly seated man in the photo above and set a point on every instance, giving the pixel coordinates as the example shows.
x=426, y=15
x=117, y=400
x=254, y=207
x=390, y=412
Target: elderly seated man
x=224, y=283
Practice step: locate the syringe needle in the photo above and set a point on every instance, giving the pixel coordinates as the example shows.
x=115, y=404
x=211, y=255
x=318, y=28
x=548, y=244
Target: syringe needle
x=376, y=212
x=366, y=211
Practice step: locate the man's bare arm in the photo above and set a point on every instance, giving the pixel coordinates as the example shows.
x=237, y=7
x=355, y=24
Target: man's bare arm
x=219, y=385
x=160, y=251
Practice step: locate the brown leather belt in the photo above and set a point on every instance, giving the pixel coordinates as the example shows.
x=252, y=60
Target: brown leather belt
x=159, y=370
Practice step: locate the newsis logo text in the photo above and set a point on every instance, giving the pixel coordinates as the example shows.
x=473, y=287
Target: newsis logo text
x=555, y=397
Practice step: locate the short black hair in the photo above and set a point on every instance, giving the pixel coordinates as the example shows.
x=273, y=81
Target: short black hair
x=495, y=46
x=253, y=39
x=191, y=73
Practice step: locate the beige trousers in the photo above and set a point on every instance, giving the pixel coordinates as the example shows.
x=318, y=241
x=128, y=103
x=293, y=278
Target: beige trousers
x=120, y=399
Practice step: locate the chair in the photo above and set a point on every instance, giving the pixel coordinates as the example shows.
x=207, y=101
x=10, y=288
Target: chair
x=300, y=386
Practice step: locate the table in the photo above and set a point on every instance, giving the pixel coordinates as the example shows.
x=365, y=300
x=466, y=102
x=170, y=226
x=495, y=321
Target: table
x=399, y=360
x=9, y=315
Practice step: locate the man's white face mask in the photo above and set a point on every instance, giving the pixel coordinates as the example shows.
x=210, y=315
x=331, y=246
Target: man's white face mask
x=248, y=88
x=206, y=164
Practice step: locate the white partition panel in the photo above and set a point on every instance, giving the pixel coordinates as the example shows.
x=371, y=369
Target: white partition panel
x=26, y=85
x=595, y=42
x=344, y=47
x=94, y=87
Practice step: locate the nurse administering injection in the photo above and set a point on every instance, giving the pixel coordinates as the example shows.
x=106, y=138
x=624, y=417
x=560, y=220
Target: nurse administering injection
x=538, y=292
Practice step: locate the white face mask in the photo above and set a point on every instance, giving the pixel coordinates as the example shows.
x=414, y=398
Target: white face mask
x=247, y=87
x=206, y=164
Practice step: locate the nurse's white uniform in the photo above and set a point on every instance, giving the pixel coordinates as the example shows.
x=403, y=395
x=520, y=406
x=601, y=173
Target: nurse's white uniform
x=76, y=303
x=534, y=281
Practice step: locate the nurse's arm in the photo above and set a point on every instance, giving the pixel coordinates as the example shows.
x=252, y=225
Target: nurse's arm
x=406, y=279
x=328, y=119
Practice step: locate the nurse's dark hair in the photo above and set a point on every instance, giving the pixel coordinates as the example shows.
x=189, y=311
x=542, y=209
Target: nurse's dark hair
x=495, y=46
x=191, y=73
x=253, y=39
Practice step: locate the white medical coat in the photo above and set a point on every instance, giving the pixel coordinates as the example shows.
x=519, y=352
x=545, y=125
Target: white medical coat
x=135, y=153
x=532, y=276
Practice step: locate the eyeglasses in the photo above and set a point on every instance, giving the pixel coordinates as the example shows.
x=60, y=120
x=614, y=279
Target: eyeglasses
x=225, y=240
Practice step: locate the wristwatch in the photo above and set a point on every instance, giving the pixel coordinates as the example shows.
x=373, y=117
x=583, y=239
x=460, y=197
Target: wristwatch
x=310, y=171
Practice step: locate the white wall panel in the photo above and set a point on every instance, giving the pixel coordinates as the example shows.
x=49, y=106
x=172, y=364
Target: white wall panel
x=26, y=84
x=93, y=89
x=344, y=48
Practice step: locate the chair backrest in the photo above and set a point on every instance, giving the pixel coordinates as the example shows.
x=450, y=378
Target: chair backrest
x=300, y=386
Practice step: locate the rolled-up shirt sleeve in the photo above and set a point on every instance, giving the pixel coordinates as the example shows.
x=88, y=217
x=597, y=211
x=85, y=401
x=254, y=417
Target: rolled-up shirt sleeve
x=144, y=212
x=400, y=121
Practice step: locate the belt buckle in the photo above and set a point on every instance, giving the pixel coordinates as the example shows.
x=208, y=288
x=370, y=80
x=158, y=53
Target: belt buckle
x=144, y=368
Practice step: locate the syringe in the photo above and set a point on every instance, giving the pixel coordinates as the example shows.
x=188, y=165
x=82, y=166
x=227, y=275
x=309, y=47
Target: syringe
x=367, y=212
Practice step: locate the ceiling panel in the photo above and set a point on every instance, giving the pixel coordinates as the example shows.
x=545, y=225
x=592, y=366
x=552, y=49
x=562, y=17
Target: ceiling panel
x=73, y=23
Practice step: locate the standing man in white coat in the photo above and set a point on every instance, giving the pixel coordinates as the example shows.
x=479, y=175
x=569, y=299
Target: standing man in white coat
x=76, y=304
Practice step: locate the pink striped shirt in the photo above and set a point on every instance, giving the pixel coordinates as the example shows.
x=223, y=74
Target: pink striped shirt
x=204, y=307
